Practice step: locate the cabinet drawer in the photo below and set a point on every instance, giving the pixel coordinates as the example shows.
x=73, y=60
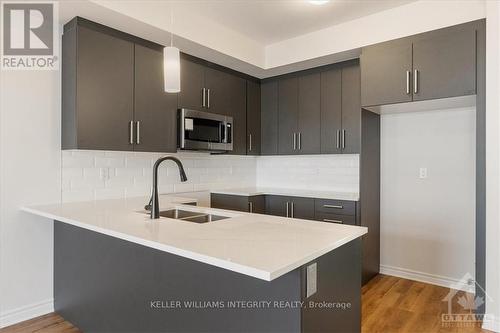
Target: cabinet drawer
x=336, y=218
x=335, y=206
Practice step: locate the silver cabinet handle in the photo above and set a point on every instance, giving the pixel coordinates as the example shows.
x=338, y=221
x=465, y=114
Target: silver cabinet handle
x=333, y=221
x=250, y=142
x=203, y=97
x=337, y=143
x=208, y=98
x=131, y=132
x=250, y=207
x=343, y=139
x=287, y=209
x=408, y=73
x=292, y=209
x=415, y=83
x=300, y=140
x=138, y=132
x=334, y=206
x=294, y=141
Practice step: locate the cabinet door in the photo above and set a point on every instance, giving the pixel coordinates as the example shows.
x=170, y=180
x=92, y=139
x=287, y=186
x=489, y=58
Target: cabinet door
x=192, y=83
x=277, y=205
x=351, y=110
x=302, y=208
x=227, y=96
x=257, y=204
x=331, y=111
x=155, y=110
x=384, y=70
x=269, y=118
x=287, y=116
x=230, y=202
x=309, y=114
x=445, y=63
x=253, y=118
x=105, y=91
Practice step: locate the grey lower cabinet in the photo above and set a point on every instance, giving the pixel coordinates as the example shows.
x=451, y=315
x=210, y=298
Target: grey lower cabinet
x=295, y=207
x=365, y=212
x=253, y=118
x=251, y=204
x=431, y=65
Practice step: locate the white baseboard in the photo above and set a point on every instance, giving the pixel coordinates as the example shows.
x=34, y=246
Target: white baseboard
x=26, y=312
x=492, y=325
x=437, y=280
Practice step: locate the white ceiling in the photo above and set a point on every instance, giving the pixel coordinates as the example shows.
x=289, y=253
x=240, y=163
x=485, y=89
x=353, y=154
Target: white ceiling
x=271, y=21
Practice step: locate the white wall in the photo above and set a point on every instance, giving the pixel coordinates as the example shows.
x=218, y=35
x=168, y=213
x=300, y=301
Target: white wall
x=427, y=225
x=29, y=173
x=492, y=164
x=337, y=173
x=402, y=21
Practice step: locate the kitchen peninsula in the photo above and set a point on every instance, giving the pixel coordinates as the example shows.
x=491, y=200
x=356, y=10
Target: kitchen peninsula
x=115, y=269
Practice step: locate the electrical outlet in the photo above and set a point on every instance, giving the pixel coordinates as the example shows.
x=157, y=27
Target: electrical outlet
x=422, y=173
x=104, y=174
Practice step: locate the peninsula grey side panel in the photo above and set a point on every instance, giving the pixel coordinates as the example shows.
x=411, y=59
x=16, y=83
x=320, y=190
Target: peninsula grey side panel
x=481, y=163
x=104, y=284
x=369, y=204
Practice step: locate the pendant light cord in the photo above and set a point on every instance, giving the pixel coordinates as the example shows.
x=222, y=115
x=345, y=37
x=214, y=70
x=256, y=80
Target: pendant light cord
x=172, y=24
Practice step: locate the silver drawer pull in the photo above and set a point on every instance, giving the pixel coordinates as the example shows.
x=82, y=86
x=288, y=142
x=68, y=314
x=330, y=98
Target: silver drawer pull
x=333, y=221
x=334, y=206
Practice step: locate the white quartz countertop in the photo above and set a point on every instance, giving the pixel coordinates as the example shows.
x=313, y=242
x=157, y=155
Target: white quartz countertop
x=249, y=191
x=261, y=246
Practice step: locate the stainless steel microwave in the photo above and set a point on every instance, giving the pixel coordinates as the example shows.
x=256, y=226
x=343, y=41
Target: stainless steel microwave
x=199, y=130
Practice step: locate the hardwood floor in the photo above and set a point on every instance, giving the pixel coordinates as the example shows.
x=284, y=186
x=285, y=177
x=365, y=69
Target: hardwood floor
x=390, y=304
x=49, y=323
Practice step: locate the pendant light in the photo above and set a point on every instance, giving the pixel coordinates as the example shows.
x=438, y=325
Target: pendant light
x=171, y=63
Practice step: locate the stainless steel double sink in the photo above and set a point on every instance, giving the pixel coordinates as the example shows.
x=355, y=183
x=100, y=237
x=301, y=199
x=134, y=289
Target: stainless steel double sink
x=191, y=216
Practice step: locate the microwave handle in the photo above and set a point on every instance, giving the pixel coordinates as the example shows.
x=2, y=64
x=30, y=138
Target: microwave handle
x=223, y=132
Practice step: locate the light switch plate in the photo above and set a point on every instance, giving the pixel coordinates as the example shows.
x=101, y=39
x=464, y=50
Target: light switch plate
x=311, y=280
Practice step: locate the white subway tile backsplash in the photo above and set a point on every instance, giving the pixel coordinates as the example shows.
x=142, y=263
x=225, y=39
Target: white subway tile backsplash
x=129, y=174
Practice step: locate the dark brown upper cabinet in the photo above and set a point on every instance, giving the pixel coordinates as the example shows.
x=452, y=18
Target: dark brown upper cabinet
x=212, y=90
x=386, y=73
x=444, y=63
x=253, y=118
x=155, y=110
x=432, y=65
x=299, y=100
x=288, y=110
x=269, y=118
x=331, y=111
x=341, y=109
x=350, y=138
x=97, y=90
x=112, y=92
x=226, y=94
x=309, y=115
x=193, y=93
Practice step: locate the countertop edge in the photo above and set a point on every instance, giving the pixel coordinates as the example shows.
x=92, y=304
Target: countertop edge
x=234, y=267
